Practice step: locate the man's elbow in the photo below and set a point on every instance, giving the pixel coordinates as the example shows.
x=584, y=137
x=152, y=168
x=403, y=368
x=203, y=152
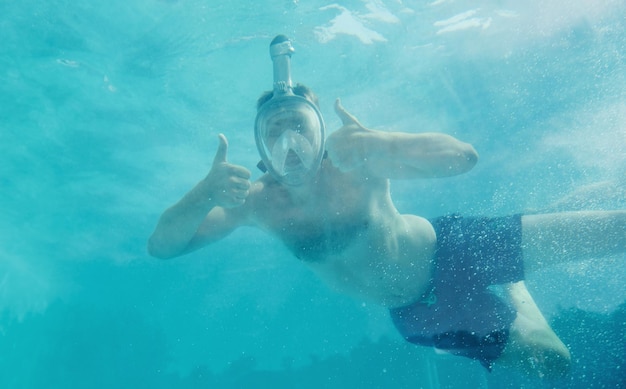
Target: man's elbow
x=468, y=158
x=462, y=161
x=157, y=250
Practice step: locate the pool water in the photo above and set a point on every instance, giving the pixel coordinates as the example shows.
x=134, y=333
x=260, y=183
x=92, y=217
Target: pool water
x=109, y=113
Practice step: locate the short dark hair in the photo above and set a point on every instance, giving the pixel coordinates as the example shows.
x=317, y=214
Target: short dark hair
x=298, y=89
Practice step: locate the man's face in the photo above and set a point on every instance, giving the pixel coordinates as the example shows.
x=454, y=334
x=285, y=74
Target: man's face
x=289, y=133
x=292, y=130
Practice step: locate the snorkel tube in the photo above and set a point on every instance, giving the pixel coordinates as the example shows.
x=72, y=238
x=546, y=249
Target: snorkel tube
x=280, y=52
x=289, y=129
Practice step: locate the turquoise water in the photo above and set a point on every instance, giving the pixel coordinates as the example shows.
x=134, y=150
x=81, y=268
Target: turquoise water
x=109, y=112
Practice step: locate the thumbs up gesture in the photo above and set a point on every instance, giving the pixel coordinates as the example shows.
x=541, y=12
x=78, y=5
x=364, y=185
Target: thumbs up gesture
x=348, y=147
x=229, y=185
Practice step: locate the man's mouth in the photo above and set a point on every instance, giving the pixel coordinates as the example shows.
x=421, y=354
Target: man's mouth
x=292, y=159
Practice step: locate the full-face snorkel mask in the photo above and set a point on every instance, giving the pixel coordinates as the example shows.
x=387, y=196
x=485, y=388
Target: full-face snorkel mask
x=289, y=129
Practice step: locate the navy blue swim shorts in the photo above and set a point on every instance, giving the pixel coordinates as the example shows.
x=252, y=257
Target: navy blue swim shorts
x=460, y=314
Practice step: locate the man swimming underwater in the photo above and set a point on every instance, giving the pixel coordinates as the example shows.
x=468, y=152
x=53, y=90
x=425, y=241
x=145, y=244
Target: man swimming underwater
x=328, y=201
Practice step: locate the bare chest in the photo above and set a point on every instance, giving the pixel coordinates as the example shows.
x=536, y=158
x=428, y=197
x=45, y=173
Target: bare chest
x=321, y=227
x=355, y=240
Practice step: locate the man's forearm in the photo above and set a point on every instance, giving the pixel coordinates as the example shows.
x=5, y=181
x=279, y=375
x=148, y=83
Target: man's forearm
x=179, y=224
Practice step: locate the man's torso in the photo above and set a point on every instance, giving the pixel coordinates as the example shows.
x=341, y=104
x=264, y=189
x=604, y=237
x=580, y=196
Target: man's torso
x=346, y=228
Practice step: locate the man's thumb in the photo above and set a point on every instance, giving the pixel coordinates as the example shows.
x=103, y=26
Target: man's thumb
x=345, y=116
x=220, y=155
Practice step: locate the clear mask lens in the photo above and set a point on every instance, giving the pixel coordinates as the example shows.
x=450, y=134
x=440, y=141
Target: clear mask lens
x=290, y=137
x=292, y=150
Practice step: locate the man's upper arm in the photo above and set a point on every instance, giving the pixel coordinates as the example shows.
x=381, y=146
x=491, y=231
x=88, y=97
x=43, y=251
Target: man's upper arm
x=404, y=155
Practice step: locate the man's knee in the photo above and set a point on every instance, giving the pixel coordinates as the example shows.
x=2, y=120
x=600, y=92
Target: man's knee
x=537, y=353
x=558, y=363
x=549, y=363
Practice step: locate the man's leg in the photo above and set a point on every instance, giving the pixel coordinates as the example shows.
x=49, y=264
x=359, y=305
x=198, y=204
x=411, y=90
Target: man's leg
x=570, y=236
x=533, y=347
x=551, y=239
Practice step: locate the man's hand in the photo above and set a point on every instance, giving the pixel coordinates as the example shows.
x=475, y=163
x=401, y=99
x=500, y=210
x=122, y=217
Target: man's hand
x=347, y=147
x=227, y=184
x=191, y=223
